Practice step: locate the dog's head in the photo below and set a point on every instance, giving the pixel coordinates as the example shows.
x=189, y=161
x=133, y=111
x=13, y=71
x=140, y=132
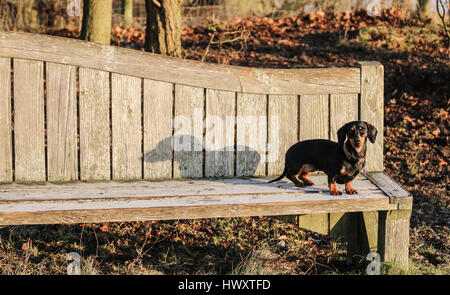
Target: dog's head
x=357, y=132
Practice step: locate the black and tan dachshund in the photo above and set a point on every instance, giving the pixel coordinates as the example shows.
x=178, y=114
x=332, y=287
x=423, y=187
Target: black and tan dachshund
x=341, y=161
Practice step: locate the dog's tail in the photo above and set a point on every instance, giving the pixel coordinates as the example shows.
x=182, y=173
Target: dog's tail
x=280, y=177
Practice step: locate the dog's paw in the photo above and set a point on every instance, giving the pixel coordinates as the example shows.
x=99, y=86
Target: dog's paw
x=351, y=192
x=310, y=183
x=336, y=193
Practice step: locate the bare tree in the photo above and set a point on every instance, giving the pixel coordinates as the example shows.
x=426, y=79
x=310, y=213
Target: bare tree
x=97, y=18
x=423, y=9
x=127, y=10
x=163, y=33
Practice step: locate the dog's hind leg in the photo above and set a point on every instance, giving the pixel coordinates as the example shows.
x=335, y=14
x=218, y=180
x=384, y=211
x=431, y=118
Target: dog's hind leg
x=294, y=179
x=306, y=170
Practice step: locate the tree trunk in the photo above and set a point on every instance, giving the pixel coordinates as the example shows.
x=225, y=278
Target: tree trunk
x=97, y=18
x=163, y=33
x=127, y=10
x=423, y=9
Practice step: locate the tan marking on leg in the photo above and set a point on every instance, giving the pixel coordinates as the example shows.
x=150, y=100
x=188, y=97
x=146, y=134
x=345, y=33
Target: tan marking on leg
x=349, y=190
x=333, y=189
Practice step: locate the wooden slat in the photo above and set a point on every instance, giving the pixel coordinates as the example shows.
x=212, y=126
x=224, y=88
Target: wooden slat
x=158, y=113
x=315, y=222
x=395, y=192
x=345, y=227
x=188, y=133
x=62, y=157
x=5, y=121
x=126, y=127
x=283, y=130
x=89, y=213
x=141, y=190
x=314, y=117
x=251, y=134
x=29, y=138
x=94, y=125
x=394, y=237
x=372, y=110
x=92, y=202
x=343, y=109
x=219, y=133
x=180, y=71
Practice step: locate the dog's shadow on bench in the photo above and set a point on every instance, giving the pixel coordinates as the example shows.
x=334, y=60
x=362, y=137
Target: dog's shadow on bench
x=187, y=152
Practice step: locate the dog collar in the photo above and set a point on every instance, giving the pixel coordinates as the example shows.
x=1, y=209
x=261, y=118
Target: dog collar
x=350, y=157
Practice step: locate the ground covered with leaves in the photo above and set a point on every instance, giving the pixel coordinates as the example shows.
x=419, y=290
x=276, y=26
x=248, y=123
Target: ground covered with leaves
x=417, y=74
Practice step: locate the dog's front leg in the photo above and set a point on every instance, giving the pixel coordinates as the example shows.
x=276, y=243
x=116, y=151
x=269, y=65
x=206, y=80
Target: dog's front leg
x=332, y=186
x=349, y=190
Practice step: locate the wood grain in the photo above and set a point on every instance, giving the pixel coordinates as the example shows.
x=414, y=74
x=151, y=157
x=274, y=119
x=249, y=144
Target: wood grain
x=395, y=192
x=62, y=156
x=343, y=109
x=314, y=117
x=188, y=132
x=95, y=163
x=251, y=134
x=180, y=71
x=173, y=199
x=394, y=237
x=282, y=130
x=372, y=110
x=219, y=133
x=158, y=113
x=126, y=127
x=6, y=174
x=29, y=137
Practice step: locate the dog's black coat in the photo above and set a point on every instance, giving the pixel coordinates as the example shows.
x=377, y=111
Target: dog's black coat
x=340, y=161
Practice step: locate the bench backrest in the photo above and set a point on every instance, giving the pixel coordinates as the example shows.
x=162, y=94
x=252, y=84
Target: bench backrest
x=73, y=110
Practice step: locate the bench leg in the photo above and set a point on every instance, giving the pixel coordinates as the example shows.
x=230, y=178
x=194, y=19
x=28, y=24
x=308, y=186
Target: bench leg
x=385, y=232
x=345, y=226
x=393, y=236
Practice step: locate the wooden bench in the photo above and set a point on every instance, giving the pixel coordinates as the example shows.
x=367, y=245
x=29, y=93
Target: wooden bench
x=92, y=133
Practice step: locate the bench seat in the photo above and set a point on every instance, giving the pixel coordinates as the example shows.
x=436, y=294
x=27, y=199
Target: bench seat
x=186, y=199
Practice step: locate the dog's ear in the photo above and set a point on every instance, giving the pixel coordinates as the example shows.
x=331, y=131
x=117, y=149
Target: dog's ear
x=342, y=134
x=371, y=132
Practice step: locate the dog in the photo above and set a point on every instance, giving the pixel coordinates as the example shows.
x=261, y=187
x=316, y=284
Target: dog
x=341, y=161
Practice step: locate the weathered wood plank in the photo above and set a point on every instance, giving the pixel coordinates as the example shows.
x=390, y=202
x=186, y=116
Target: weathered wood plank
x=282, y=130
x=94, y=125
x=89, y=202
x=395, y=192
x=219, y=134
x=369, y=231
x=345, y=226
x=177, y=189
x=188, y=133
x=126, y=211
x=372, y=110
x=343, y=109
x=126, y=127
x=315, y=222
x=251, y=134
x=158, y=113
x=62, y=157
x=314, y=117
x=394, y=236
x=180, y=71
x=5, y=121
x=29, y=138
